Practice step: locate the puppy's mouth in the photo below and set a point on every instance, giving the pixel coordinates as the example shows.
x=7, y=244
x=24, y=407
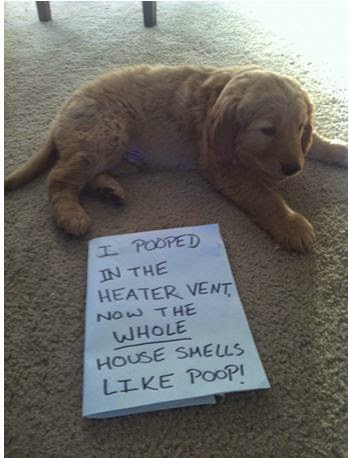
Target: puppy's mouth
x=282, y=177
x=272, y=175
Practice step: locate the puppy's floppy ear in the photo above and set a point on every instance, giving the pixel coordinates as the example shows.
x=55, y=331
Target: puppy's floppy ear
x=307, y=137
x=224, y=127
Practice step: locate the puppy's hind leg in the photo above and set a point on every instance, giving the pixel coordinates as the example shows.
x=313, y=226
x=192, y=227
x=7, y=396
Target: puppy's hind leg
x=66, y=181
x=106, y=186
x=91, y=138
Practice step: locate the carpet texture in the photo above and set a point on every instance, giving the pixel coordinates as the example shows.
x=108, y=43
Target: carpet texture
x=295, y=304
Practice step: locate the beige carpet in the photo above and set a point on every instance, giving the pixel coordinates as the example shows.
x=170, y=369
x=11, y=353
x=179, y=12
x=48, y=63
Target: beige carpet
x=296, y=304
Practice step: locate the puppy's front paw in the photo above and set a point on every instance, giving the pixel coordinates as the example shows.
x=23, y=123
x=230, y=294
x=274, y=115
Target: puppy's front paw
x=296, y=233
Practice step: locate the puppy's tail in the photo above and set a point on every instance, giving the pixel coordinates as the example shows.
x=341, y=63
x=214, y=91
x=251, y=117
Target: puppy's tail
x=37, y=164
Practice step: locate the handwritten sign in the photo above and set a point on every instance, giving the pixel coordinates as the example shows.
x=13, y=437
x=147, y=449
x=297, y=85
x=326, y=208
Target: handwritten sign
x=164, y=323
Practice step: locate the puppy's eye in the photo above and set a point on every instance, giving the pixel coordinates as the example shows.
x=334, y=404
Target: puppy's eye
x=270, y=131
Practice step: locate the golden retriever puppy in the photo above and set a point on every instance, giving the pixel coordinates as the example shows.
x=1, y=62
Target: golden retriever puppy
x=243, y=128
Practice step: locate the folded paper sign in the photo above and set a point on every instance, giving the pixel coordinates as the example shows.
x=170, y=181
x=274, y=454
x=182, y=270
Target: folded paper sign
x=164, y=326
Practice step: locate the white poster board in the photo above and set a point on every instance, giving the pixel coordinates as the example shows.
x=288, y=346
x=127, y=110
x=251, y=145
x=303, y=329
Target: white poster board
x=164, y=325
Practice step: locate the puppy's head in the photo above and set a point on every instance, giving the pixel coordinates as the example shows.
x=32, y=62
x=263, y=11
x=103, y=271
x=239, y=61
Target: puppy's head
x=263, y=121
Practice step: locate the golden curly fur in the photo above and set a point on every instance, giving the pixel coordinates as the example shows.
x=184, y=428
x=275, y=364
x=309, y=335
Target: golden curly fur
x=243, y=127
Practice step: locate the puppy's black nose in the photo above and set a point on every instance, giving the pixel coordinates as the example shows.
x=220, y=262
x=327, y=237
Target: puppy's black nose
x=290, y=169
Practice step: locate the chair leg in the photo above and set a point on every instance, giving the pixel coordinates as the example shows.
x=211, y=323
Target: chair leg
x=149, y=13
x=44, y=11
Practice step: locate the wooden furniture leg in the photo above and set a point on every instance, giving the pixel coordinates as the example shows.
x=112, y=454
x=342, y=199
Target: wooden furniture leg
x=44, y=11
x=149, y=13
